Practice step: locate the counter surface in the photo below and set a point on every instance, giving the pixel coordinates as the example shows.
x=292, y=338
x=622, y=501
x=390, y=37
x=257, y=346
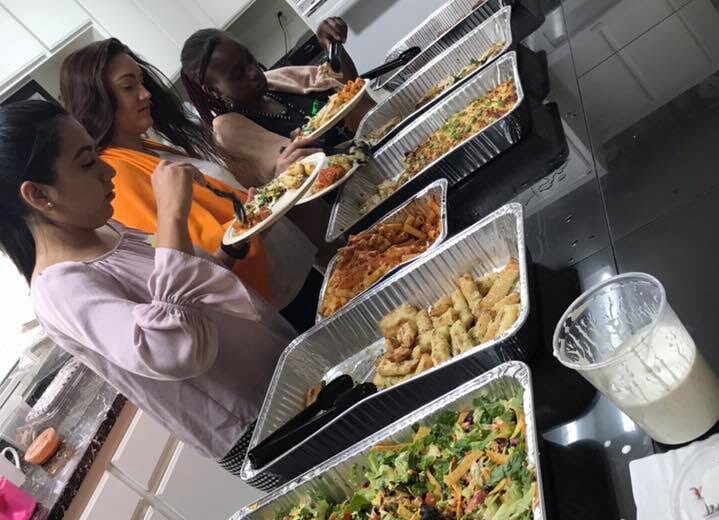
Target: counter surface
x=87, y=420
x=636, y=87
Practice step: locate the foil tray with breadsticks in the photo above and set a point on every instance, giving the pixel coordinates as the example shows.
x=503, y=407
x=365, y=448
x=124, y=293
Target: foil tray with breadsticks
x=477, y=311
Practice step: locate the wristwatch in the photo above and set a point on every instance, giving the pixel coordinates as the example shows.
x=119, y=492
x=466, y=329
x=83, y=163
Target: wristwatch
x=236, y=252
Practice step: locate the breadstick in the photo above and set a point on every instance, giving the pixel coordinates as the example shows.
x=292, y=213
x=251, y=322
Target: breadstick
x=461, y=342
x=504, y=283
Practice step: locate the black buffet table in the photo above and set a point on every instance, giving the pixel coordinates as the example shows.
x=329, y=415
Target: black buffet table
x=603, y=197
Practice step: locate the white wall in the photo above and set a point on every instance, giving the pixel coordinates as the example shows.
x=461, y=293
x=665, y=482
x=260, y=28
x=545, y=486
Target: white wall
x=375, y=25
x=258, y=29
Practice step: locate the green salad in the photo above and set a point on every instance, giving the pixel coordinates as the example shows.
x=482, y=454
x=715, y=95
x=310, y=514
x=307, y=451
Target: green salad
x=470, y=464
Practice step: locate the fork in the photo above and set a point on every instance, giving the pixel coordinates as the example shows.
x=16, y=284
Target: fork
x=237, y=206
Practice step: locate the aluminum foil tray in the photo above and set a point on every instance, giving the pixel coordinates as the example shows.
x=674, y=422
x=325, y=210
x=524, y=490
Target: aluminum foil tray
x=455, y=165
x=401, y=102
x=442, y=28
x=333, y=477
x=437, y=191
x=347, y=338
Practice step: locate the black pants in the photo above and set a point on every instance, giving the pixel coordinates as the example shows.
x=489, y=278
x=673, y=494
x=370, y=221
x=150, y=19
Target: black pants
x=301, y=311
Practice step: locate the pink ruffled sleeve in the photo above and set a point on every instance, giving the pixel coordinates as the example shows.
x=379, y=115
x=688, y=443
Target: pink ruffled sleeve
x=172, y=336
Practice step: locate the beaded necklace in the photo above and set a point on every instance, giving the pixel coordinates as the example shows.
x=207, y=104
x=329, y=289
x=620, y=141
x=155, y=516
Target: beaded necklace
x=290, y=110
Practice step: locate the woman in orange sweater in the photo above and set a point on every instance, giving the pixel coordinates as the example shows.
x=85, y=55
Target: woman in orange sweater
x=118, y=98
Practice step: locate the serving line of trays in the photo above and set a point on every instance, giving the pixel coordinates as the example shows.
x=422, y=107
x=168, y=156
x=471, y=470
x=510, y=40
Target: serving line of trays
x=335, y=477
x=456, y=164
x=348, y=343
x=436, y=191
x=493, y=33
x=448, y=24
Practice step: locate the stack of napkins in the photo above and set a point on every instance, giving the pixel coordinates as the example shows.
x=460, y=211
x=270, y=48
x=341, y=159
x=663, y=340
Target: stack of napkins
x=684, y=481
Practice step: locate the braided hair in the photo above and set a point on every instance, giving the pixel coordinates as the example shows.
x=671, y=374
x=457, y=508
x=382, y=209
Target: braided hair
x=195, y=57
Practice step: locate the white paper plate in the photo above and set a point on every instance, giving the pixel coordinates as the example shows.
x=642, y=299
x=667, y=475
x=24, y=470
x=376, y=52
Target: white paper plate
x=339, y=116
x=331, y=187
x=285, y=203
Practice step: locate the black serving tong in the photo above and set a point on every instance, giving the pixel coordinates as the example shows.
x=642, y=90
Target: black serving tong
x=357, y=148
x=326, y=399
x=335, y=59
x=335, y=56
x=400, y=61
x=275, y=444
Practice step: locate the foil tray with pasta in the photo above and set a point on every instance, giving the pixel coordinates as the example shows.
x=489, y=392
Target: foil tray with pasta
x=452, y=140
x=442, y=75
x=347, y=278
x=442, y=28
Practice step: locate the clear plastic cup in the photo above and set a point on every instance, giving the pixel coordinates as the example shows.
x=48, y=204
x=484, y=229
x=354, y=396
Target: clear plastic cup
x=626, y=340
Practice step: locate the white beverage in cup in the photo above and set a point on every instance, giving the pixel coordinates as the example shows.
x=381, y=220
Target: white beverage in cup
x=625, y=339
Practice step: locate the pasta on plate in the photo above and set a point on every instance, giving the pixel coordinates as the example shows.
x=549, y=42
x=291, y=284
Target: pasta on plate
x=334, y=104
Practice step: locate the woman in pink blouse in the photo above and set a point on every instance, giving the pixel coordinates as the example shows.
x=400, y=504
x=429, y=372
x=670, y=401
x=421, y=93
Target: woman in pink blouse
x=176, y=333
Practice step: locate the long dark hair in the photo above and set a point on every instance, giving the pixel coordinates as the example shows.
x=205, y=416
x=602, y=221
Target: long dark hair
x=195, y=56
x=87, y=97
x=29, y=147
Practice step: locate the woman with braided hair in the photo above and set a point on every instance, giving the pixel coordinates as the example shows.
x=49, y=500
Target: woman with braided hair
x=255, y=113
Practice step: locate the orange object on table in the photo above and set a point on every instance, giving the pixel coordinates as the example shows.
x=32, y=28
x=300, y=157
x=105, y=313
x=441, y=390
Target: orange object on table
x=44, y=447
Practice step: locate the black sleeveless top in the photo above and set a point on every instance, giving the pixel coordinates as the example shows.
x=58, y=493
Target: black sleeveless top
x=298, y=108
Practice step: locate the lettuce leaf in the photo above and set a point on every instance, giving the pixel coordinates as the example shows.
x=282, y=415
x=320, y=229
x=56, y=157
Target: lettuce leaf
x=513, y=510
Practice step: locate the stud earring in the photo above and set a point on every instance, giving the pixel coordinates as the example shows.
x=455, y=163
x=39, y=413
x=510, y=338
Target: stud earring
x=50, y=204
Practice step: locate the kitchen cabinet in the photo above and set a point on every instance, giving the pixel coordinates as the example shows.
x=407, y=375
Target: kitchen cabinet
x=38, y=31
x=112, y=500
x=26, y=50
x=193, y=484
x=154, y=514
x=157, y=29
x=224, y=12
x=140, y=454
x=177, y=18
x=52, y=22
x=158, y=477
x=130, y=24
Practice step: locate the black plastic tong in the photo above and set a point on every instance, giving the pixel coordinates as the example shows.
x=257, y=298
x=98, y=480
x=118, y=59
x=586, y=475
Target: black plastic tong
x=400, y=61
x=335, y=59
x=305, y=424
x=335, y=56
x=326, y=399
